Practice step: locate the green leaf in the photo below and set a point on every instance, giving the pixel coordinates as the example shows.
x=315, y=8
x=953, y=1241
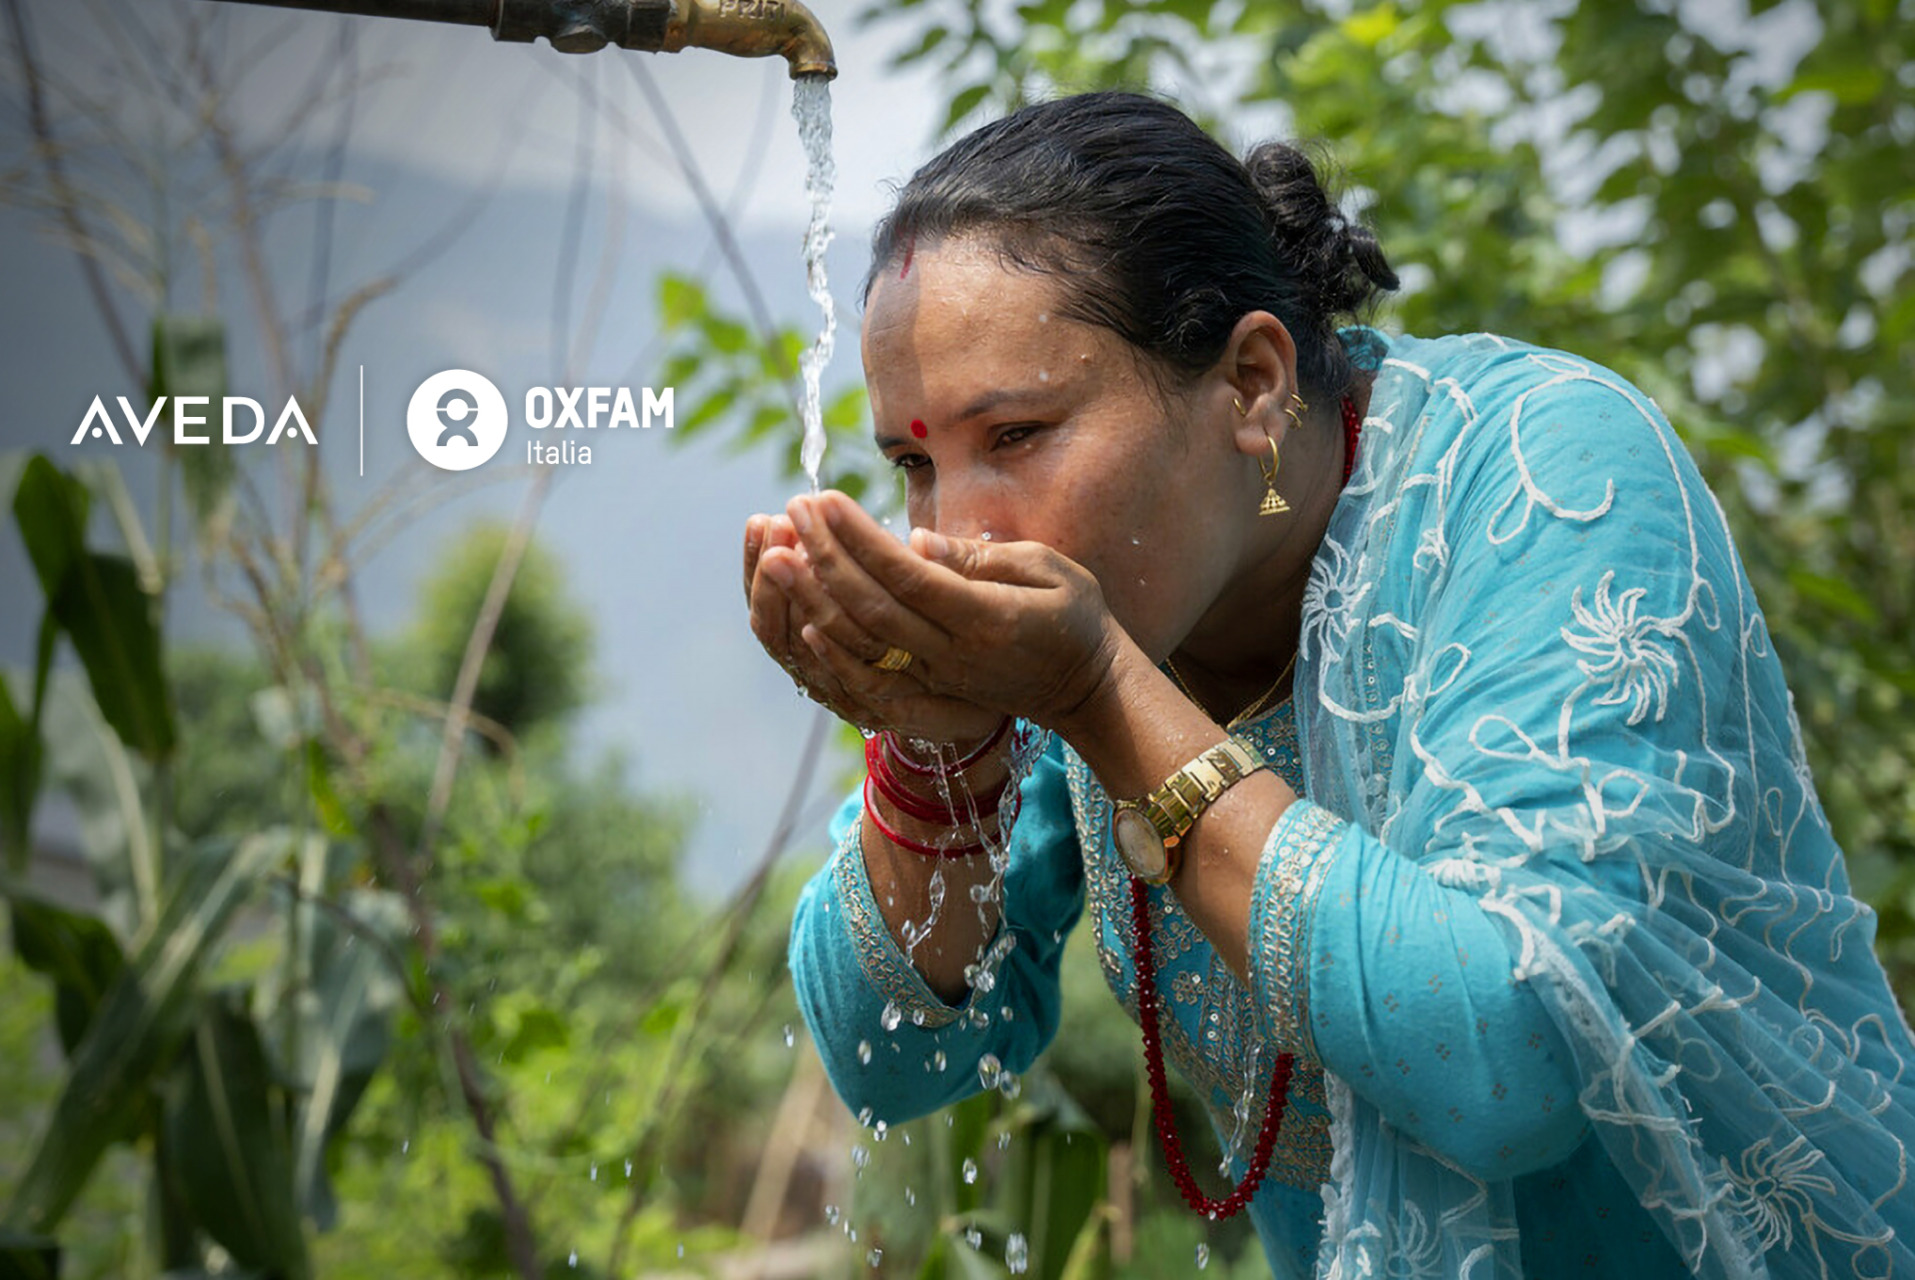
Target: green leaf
x=538, y=1028
x=710, y=408
x=97, y=600
x=19, y=781
x=50, y=508
x=326, y=802
x=964, y=103
x=189, y=359
x=680, y=300
x=344, y=1033
x=78, y=952
x=109, y=617
x=27, y=1257
x=1833, y=593
x=846, y=410
x=138, y=1028
x=1852, y=84
x=226, y=1130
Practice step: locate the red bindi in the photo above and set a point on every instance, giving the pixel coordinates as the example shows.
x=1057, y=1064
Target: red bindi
x=918, y=428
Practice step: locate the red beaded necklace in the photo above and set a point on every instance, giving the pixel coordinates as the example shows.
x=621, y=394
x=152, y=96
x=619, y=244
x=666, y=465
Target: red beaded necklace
x=1279, y=1098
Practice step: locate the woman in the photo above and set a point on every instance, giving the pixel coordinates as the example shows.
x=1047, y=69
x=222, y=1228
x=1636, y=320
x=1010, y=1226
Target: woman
x=1517, y=932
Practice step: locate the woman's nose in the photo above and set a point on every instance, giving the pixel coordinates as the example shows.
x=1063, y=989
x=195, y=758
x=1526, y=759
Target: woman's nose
x=965, y=508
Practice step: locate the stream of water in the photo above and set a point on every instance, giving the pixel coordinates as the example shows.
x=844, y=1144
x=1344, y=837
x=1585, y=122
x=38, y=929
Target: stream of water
x=811, y=107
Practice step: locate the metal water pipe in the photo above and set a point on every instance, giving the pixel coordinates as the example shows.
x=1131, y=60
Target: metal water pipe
x=742, y=28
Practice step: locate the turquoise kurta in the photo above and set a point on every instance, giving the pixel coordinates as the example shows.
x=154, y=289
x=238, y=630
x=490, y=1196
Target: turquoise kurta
x=1558, y=936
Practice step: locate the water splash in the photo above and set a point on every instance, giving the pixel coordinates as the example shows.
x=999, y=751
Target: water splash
x=811, y=107
x=1017, y=1253
x=1203, y=1256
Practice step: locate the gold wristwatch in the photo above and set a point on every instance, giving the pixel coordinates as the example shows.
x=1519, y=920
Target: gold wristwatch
x=1149, y=832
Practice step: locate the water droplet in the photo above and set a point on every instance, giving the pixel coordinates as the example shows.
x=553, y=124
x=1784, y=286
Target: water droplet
x=789, y=1037
x=989, y=1071
x=864, y=1053
x=891, y=1016
x=594, y=1173
x=874, y=1257
x=985, y=536
x=910, y=1196
x=1004, y=1141
x=860, y=1156
x=405, y=1146
x=974, y=1237
x=882, y=1130
x=1010, y=1086
x=1017, y=1253
x=831, y=1214
x=970, y=1171
x=628, y=1168
x=864, y=1116
x=573, y=1260
x=1043, y=375
x=1007, y=1013
x=939, y=1061
x=681, y=1248
x=1203, y=1255
x=917, y=1017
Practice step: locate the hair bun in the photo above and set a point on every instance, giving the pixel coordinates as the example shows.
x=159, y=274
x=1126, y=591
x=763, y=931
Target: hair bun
x=1340, y=260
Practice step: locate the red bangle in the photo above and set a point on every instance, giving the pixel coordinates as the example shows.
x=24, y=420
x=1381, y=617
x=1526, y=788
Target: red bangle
x=925, y=808
x=898, y=757
x=905, y=842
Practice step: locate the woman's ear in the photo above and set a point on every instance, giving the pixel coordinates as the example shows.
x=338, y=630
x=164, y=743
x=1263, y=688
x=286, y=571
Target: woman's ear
x=1259, y=363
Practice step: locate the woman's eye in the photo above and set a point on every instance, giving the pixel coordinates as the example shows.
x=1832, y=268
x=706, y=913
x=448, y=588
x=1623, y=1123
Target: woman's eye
x=1011, y=435
x=909, y=461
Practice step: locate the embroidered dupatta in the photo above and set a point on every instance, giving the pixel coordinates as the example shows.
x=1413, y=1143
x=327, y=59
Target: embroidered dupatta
x=1531, y=662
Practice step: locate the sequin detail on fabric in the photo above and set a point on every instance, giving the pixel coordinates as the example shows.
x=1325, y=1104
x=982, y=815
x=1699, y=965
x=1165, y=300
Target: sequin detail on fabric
x=1282, y=905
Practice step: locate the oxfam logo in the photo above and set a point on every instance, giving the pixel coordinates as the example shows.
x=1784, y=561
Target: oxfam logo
x=456, y=419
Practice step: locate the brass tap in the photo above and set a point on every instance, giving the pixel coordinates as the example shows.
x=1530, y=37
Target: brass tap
x=753, y=29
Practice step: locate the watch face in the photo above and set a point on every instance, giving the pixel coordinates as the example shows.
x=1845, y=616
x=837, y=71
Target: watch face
x=1139, y=844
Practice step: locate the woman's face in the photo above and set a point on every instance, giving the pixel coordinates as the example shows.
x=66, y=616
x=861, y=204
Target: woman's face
x=1013, y=423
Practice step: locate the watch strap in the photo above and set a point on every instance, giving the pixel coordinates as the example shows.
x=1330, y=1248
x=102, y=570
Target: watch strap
x=1174, y=807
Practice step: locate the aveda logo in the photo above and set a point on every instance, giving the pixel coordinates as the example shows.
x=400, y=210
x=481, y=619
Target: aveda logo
x=190, y=420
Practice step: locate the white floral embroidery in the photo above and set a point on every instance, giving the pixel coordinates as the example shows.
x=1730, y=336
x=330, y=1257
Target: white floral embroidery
x=1634, y=665
x=1773, y=1188
x=1330, y=599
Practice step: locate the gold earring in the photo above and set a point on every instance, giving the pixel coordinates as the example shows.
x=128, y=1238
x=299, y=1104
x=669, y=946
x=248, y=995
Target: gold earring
x=1241, y=411
x=1273, y=503
x=1296, y=408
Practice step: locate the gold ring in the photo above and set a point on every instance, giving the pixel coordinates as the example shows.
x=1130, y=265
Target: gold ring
x=894, y=659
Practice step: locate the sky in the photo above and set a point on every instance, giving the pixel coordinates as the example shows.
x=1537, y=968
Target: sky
x=649, y=534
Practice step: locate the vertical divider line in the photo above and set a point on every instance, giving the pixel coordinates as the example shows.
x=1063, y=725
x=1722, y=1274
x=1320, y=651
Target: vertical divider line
x=362, y=422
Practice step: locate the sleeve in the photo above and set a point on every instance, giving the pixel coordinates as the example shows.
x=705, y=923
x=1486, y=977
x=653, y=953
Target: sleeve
x=890, y=1046
x=1401, y=986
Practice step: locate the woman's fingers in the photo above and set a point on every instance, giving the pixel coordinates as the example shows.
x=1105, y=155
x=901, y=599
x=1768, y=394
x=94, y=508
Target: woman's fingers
x=763, y=532
x=813, y=604
x=866, y=618
x=941, y=590
x=771, y=606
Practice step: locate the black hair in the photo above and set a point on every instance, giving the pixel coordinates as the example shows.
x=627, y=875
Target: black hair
x=1164, y=237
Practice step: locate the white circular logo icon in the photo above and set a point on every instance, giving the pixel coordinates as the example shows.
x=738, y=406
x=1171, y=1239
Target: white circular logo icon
x=456, y=419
